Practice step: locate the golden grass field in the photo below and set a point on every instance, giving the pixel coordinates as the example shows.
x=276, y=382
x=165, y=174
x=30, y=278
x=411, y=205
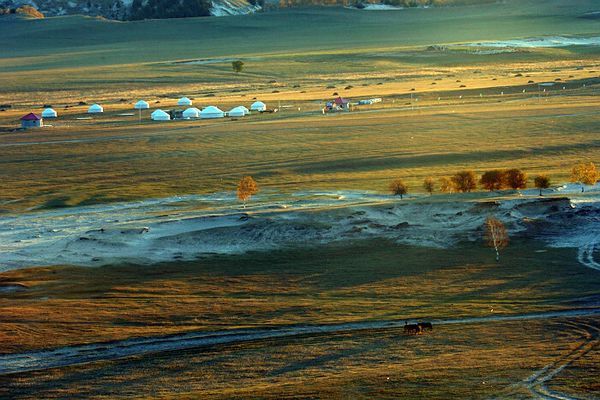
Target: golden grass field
x=427, y=125
x=114, y=158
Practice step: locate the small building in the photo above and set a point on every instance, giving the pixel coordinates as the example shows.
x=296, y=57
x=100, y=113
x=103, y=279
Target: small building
x=184, y=101
x=175, y=114
x=337, y=105
x=160, y=115
x=258, y=106
x=31, y=121
x=191, y=113
x=237, y=112
x=342, y=103
x=211, y=112
x=49, y=113
x=141, y=105
x=95, y=109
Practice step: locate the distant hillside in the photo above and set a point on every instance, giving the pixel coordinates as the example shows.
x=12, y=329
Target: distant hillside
x=150, y=9
x=25, y=10
x=138, y=9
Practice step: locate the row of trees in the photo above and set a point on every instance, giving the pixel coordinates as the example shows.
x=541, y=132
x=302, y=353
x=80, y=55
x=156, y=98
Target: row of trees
x=497, y=179
x=464, y=181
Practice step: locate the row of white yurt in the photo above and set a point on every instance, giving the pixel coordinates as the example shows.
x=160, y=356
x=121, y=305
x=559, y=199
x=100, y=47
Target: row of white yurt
x=160, y=115
x=49, y=113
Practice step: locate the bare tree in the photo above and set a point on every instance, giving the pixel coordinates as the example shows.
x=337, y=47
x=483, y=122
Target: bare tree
x=541, y=182
x=493, y=180
x=516, y=179
x=429, y=185
x=464, y=181
x=398, y=188
x=247, y=187
x=585, y=174
x=496, y=235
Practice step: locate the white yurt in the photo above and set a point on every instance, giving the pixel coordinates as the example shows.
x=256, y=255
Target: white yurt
x=246, y=111
x=211, y=112
x=95, y=108
x=160, y=115
x=258, y=106
x=49, y=113
x=184, y=101
x=141, y=105
x=236, y=112
x=191, y=112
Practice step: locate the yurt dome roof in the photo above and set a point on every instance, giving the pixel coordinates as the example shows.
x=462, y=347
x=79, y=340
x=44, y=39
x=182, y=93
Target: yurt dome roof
x=49, y=113
x=212, y=112
x=184, y=101
x=258, y=105
x=141, y=105
x=211, y=109
x=95, y=108
x=237, y=112
x=191, y=112
x=160, y=115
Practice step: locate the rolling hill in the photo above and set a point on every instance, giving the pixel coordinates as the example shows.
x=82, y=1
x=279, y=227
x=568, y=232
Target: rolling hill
x=158, y=9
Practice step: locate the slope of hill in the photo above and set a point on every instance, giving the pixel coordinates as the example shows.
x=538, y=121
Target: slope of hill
x=139, y=9
x=146, y=9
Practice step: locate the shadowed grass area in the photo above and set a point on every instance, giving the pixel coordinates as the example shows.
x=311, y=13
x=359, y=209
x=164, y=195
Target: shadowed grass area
x=334, y=283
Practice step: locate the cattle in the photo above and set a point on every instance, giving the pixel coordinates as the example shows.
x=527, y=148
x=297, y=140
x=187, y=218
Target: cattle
x=412, y=329
x=425, y=326
x=417, y=329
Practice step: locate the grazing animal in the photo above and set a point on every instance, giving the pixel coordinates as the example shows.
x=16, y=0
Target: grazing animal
x=412, y=329
x=425, y=326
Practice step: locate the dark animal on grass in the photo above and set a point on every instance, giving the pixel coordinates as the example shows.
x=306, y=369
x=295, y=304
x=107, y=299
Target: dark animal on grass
x=412, y=329
x=425, y=326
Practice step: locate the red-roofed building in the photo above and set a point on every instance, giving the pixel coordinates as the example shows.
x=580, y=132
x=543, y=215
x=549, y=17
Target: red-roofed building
x=31, y=121
x=341, y=102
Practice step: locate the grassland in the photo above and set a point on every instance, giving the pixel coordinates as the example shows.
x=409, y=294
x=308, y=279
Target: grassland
x=361, y=281
x=104, y=160
x=443, y=110
x=428, y=124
